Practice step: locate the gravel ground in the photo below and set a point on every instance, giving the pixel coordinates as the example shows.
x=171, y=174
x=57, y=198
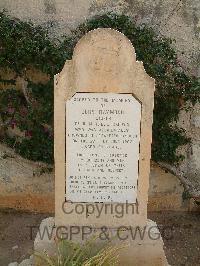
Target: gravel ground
x=181, y=235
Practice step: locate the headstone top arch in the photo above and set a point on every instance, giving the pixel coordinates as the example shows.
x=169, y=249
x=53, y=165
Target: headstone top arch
x=104, y=51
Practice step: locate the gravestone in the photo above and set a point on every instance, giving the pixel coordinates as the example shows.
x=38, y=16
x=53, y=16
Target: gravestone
x=103, y=114
x=97, y=160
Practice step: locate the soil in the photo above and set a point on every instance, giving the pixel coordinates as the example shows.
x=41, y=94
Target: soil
x=181, y=235
x=180, y=232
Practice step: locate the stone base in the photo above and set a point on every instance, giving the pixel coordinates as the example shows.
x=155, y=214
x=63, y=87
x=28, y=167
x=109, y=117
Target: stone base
x=141, y=246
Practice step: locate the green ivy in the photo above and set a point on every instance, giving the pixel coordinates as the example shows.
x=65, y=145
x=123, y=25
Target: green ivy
x=23, y=45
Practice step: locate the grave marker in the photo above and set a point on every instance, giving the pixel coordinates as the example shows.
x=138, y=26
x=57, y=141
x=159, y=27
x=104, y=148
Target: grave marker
x=104, y=68
x=103, y=114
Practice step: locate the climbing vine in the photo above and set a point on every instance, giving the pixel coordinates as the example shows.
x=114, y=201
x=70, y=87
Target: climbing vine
x=31, y=109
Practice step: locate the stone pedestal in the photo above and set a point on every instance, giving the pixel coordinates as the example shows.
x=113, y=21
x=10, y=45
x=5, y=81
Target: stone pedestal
x=142, y=246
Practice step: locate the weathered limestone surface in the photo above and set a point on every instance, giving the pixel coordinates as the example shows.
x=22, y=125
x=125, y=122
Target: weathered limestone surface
x=165, y=191
x=135, y=252
x=24, y=184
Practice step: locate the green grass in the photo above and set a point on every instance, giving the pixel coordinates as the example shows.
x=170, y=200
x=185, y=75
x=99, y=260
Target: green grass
x=74, y=254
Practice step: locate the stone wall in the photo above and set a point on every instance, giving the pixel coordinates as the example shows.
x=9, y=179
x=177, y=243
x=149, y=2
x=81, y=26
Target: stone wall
x=177, y=19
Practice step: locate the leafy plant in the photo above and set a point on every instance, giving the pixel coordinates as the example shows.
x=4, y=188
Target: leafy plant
x=23, y=45
x=74, y=254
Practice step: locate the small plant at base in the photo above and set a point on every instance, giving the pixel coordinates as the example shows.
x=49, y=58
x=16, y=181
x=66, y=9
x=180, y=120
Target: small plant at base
x=73, y=254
